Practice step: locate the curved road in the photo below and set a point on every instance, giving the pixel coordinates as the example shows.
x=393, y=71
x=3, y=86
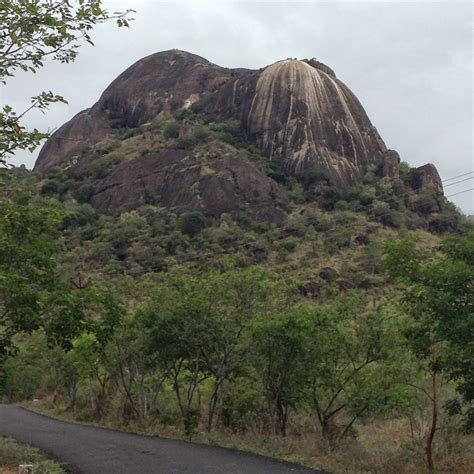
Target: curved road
x=91, y=450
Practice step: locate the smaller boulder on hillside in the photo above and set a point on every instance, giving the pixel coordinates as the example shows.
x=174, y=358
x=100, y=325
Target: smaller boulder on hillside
x=361, y=239
x=310, y=289
x=328, y=274
x=345, y=285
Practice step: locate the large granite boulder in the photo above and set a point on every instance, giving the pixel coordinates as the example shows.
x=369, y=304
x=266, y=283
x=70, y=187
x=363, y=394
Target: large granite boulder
x=297, y=112
x=181, y=181
x=426, y=178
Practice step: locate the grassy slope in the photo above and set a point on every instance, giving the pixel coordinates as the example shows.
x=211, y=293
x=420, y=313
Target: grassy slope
x=12, y=454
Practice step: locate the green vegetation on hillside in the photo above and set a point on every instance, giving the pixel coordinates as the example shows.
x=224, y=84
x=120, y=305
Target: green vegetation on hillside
x=327, y=328
x=341, y=337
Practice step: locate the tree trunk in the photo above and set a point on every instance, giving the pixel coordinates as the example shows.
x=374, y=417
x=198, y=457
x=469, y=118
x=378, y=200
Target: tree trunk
x=434, y=422
x=212, y=406
x=282, y=415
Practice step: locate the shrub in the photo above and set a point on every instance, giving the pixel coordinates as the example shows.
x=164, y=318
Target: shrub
x=405, y=172
x=344, y=217
x=191, y=223
x=107, y=145
x=445, y=222
x=341, y=205
x=425, y=203
x=364, y=194
x=337, y=238
x=289, y=244
x=297, y=194
x=185, y=142
x=328, y=198
x=387, y=216
x=318, y=220
x=171, y=129
x=282, y=255
x=50, y=188
x=79, y=216
x=200, y=133
x=258, y=250
x=84, y=193
x=370, y=176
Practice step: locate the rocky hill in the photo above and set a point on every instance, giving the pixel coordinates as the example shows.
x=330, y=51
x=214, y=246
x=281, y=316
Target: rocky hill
x=178, y=131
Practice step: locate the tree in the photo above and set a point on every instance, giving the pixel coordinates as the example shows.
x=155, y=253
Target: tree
x=33, y=294
x=139, y=381
x=356, y=359
x=342, y=360
x=175, y=322
x=32, y=31
x=191, y=223
x=28, y=271
x=195, y=328
x=100, y=314
x=280, y=346
x=238, y=297
x=439, y=297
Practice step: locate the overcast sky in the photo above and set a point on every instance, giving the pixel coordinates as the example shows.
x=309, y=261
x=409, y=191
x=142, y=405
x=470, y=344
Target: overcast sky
x=408, y=62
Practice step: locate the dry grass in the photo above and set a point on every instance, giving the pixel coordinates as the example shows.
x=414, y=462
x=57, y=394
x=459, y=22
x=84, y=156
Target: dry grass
x=12, y=454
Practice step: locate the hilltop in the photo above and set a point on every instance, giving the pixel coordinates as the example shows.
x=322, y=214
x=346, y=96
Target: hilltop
x=177, y=131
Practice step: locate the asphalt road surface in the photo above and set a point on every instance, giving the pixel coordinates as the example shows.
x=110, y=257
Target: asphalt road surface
x=89, y=450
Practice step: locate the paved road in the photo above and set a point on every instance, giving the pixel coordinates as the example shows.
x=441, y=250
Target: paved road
x=90, y=450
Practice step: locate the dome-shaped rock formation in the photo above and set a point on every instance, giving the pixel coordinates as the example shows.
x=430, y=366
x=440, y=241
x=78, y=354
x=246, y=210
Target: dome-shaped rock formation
x=297, y=113
x=307, y=119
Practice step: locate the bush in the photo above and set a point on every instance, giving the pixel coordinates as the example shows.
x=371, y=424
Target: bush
x=337, y=238
x=328, y=198
x=444, y=223
x=185, y=142
x=79, y=216
x=405, y=172
x=200, y=133
x=50, y=188
x=191, y=223
x=344, y=217
x=84, y=193
x=387, y=216
x=425, y=203
x=191, y=423
x=107, y=145
x=258, y=250
x=171, y=129
x=289, y=244
x=364, y=194
x=297, y=194
x=318, y=220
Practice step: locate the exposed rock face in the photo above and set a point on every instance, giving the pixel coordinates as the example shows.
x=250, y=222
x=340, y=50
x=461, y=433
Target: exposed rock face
x=307, y=119
x=164, y=81
x=426, y=178
x=391, y=165
x=297, y=112
x=180, y=181
x=86, y=128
